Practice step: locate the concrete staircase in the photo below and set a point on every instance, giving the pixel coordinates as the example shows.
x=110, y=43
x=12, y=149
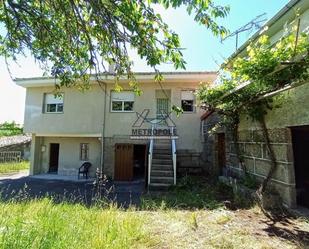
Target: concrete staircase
x=161, y=176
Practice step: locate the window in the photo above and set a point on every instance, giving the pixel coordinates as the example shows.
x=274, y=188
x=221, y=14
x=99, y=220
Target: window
x=84, y=152
x=122, y=101
x=187, y=101
x=52, y=103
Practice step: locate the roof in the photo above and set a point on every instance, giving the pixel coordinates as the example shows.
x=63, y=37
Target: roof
x=110, y=78
x=14, y=140
x=286, y=13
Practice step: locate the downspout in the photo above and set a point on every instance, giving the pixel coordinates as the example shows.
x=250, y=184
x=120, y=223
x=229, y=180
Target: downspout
x=103, y=129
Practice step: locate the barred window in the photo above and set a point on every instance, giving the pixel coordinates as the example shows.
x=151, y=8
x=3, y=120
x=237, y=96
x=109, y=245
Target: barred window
x=84, y=152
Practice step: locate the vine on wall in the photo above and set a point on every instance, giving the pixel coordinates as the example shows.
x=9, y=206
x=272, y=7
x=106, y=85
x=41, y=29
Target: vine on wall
x=249, y=85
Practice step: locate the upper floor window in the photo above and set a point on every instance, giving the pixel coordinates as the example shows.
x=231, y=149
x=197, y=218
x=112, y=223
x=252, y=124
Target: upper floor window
x=187, y=100
x=122, y=101
x=53, y=103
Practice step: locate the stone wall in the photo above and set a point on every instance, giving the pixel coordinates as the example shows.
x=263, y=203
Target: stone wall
x=23, y=148
x=257, y=161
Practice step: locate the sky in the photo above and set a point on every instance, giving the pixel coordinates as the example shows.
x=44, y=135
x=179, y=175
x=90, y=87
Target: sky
x=203, y=51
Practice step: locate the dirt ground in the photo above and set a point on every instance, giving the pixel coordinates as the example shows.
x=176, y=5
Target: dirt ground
x=227, y=229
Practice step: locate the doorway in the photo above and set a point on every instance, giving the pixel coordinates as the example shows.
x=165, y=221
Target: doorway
x=139, y=161
x=300, y=140
x=130, y=162
x=221, y=153
x=53, y=158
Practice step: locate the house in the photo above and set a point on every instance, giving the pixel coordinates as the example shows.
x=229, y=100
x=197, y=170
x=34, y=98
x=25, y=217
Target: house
x=118, y=132
x=288, y=127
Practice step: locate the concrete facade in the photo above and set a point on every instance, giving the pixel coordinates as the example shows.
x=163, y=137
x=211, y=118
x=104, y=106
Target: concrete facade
x=87, y=118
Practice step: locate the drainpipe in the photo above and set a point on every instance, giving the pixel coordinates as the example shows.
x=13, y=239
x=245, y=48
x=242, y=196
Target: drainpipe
x=103, y=129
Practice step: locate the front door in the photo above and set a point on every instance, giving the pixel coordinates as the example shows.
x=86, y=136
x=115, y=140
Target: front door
x=123, y=162
x=221, y=152
x=53, y=157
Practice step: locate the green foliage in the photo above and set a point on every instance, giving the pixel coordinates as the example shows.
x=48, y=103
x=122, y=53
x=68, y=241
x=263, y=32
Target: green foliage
x=249, y=181
x=266, y=69
x=44, y=224
x=14, y=166
x=10, y=129
x=71, y=39
x=189, y=193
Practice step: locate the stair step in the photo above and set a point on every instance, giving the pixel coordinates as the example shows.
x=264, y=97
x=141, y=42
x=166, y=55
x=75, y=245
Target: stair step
x=162, y=146
x=161, y=167
x=162, y=151
x=162, y=161
x=158, y=186
x=161, y=156
x=162, y=179
x=155, y=173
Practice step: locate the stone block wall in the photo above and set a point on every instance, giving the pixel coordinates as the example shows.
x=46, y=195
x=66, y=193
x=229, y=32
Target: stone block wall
x=254, y=151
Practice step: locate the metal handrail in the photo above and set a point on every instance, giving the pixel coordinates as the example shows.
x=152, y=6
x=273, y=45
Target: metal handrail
x=174, y=154
x=150, y=152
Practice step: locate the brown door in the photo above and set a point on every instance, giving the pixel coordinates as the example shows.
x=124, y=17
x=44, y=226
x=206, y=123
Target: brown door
x=123, y=162
x=53, y=157
x=221, y=152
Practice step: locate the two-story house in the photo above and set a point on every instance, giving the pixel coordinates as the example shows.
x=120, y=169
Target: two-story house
x=118, y=132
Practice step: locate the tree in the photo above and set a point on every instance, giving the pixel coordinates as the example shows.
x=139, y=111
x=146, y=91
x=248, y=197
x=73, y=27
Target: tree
x=72, y=39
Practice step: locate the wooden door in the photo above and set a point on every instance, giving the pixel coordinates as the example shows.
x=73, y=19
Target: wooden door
x=123, y=162
x=221, y=152
x=53, y=157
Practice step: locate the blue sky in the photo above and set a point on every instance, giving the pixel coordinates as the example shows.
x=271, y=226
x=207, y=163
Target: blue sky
x=202, y=51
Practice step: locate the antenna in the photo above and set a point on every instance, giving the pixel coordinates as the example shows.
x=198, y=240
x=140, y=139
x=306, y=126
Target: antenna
x=255, y=23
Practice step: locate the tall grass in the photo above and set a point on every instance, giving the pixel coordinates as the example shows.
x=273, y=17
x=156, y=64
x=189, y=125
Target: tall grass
x=14, y=166
x=43, y=224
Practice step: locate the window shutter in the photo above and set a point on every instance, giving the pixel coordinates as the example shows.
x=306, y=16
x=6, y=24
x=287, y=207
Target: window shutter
x=187, y=95
x=123, y=96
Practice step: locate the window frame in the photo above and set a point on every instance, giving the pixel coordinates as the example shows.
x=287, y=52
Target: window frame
x=45, y=105
x=81, y=150
x=122, y=103
x=193, y=100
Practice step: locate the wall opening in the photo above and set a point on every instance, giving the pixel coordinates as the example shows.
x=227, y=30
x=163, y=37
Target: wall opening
x=300, y=140
x=221, y=158
x=139, y=161
x=53, y=158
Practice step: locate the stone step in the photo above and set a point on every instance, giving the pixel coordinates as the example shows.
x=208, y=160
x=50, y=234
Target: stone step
x=162, y=147
x=162, y=161
x=162, y=151
x=161, y=156
x=155, y=173
x=158, y=186
x=161, y=179
x=161, y=167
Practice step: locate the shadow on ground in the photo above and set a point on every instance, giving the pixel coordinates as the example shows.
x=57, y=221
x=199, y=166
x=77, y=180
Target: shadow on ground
x=28, y=188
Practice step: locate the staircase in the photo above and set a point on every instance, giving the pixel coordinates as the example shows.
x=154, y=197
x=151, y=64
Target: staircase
x=162, y=165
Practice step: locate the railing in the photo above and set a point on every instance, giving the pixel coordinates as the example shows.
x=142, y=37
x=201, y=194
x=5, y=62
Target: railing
x=150, y=152
x=174, y=154
x=10, y=156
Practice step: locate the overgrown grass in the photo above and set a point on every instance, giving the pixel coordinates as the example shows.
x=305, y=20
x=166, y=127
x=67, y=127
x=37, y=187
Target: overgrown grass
x=190, y=193
x=14, y=166
x=44, y=224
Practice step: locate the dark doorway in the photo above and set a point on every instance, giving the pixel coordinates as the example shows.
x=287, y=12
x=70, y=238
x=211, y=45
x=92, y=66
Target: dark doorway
x=53, y=158
x=123, y=162
x=300, y=138
x=139, y=161
x=221, y=153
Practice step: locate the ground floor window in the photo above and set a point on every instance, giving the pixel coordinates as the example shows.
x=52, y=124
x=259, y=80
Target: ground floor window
x=84, y=151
